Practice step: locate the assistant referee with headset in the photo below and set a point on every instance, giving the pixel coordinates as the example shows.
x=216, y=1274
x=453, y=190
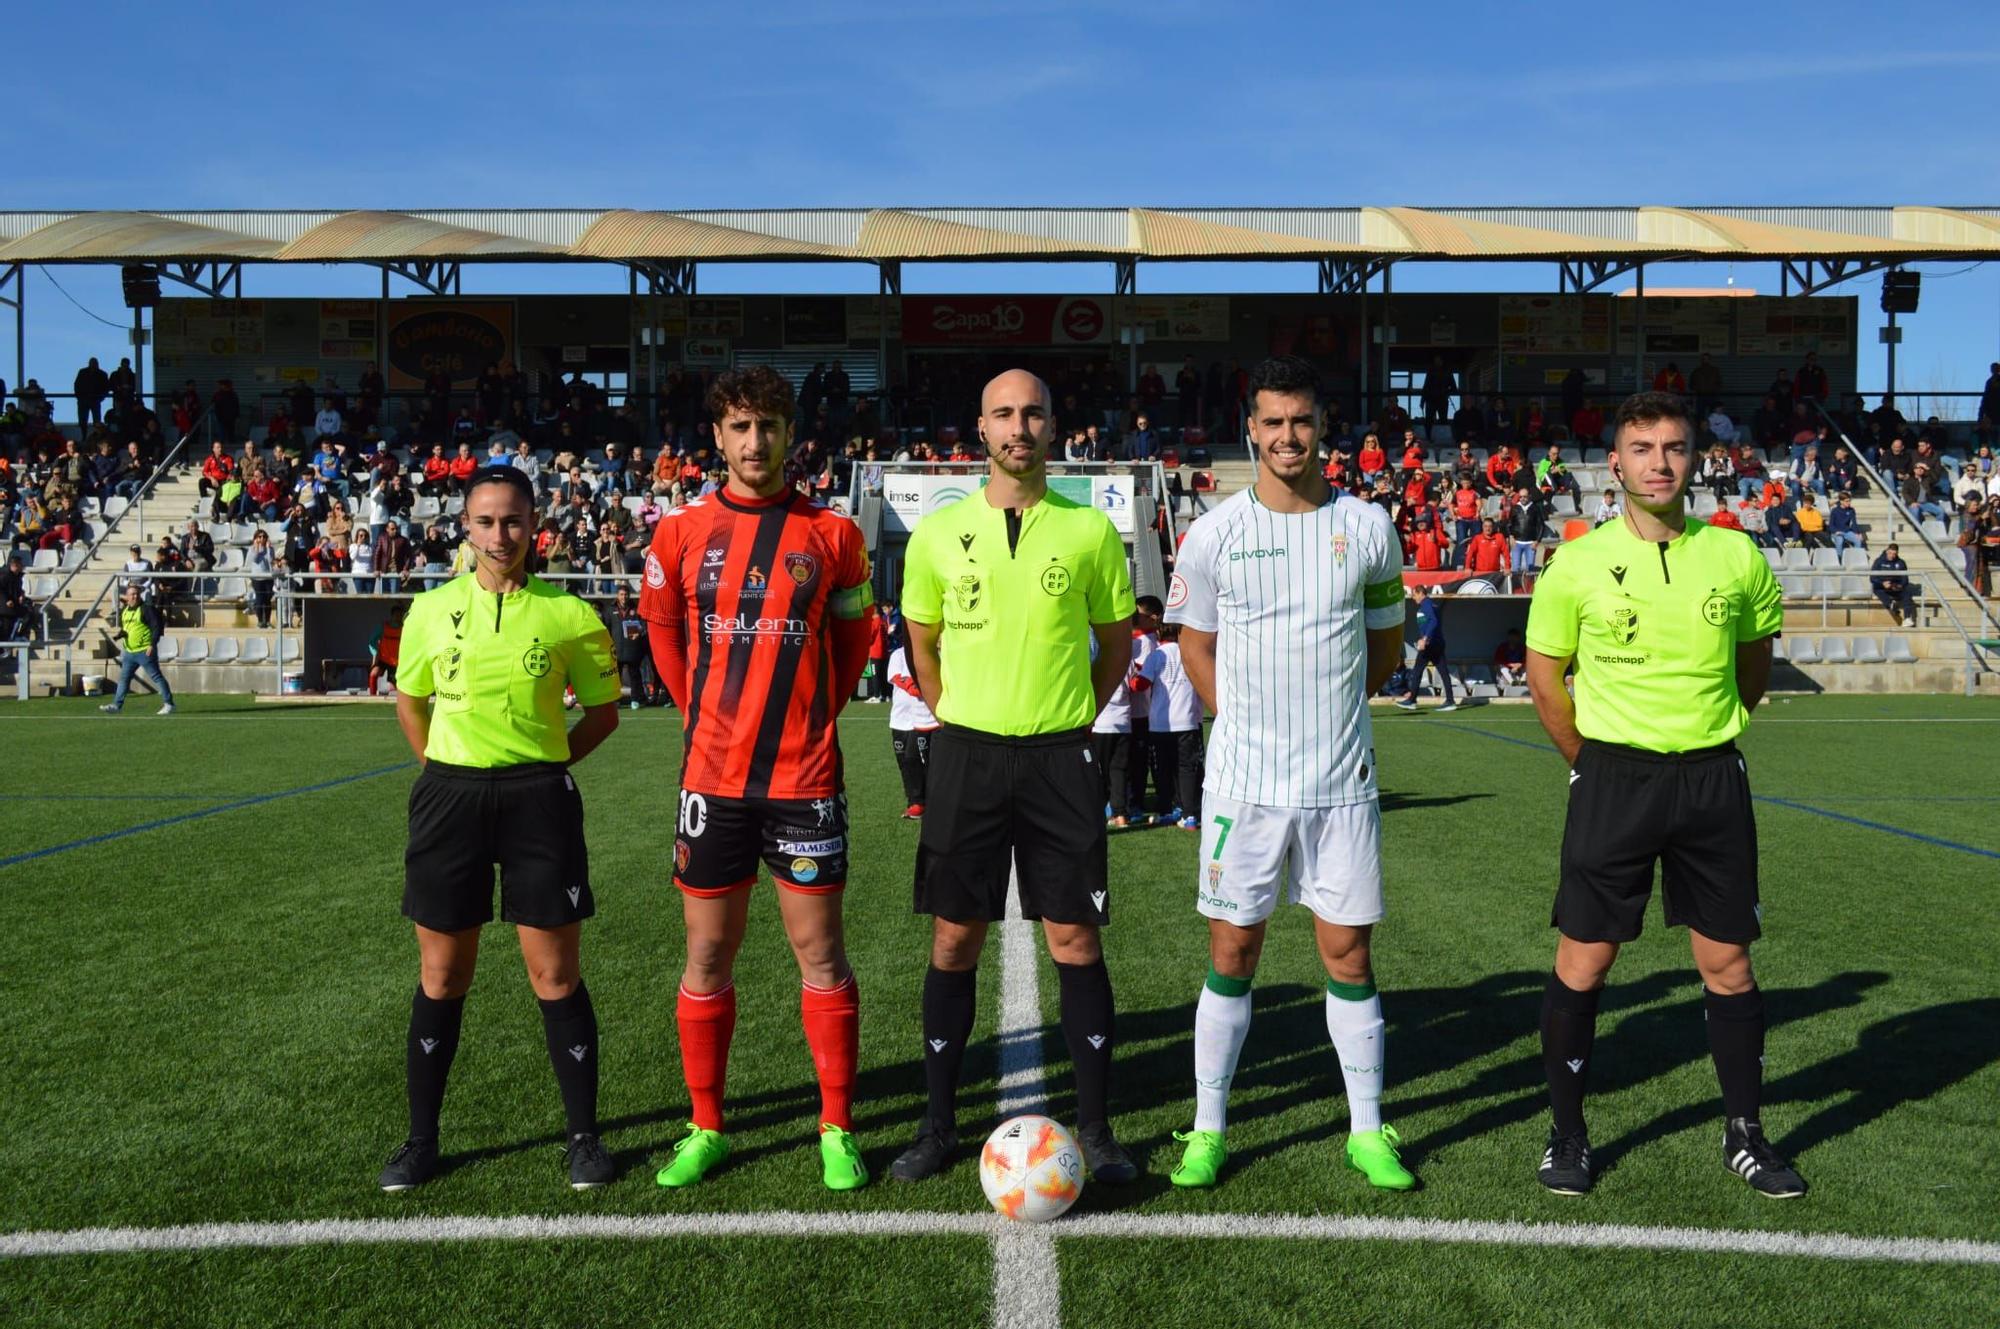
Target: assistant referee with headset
x=1669, y=622
x=1002, y=593
x=485, y=659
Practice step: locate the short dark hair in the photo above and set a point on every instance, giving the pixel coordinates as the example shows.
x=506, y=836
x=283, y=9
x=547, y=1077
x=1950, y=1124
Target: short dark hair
x=1151, y=604
x=759, y=389
x=509, y=474
x=1646, y=408
x=1282, y=373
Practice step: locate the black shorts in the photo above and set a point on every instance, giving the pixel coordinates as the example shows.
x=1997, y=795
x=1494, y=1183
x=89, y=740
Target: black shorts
x=719, y=840
x=1690, y=812
x=527, y=820
x=1035, y=803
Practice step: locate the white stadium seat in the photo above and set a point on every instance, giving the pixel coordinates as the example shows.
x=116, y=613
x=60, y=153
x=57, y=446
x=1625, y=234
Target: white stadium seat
x=1899, y=651
x=45, y=559
x=1798, y=560
x=1868, y=651
x=194, y=650
x=288, y=649
x=1802, y=651
x=1835, y=650
x=223, y=651
x=256, y=650
x=1854, y=559
x=1826, y=560
x=169, y=648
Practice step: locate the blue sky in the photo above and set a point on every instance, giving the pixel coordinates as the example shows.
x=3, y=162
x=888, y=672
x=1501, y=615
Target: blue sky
x=1158, y=103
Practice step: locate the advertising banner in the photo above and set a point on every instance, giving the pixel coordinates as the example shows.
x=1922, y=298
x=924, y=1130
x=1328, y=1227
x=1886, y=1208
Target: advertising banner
x=908, y=497
x=461, y=337
x=1006, y=320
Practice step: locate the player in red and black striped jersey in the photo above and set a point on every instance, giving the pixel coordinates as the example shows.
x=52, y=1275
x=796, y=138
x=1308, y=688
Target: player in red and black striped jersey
x=760, y=614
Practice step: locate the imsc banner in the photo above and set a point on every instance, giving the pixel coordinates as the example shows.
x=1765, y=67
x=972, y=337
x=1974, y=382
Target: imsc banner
x=461, y=337
x=908, y=497
x=1005, y=320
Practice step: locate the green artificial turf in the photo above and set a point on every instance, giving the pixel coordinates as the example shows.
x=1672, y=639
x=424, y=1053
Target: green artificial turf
x=205, y=1024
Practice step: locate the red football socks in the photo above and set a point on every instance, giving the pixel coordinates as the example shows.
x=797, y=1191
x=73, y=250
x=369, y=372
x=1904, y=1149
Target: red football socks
x=707, y=1021
x=832, y=1020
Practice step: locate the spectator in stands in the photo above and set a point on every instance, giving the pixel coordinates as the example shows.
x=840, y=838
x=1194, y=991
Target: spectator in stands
x=331, y=468
x=102, y=468
x=1922, y=495
x=1726, y=517
x=1748, y=460
x=1705, y=383
x=328, y=423
x=91, y=386
x=16, y=609
x=1892, y=584
x=260, y=563
x=1372, y=460
x=393, y=555
x=327, y=561
x=527, y=463
x=1895, y=462
x=1670, y=379
x=1414, y=454
x=436, y=473
x=197, y=548
x=1140, y=444
x=1587, y=425
x=1841, y=474
x=1942, y=466
x=1574, y=386
x=1973, y=519
x=1750, y=520
x=463, y=467
x=436, y=550
x=215, y=468
x=1510, y=660
x=1487, y=551
x=628, y=642
x=361, y=561
x=133, y=472
x=1424, y=548
x=1430, y=648
x=1767, y=423
x=228, y=409
x=1525, y=517
x=1986, y=423
x=1440, y=385
x=1810, y=384
x=1782, y=394
x=137, y=627
x=1552, y=475
x=232, y=501
x=1718, y=472
x=1501, y=468
x=1843, y=527
x=1812, y=523
x=1465, y=518
x=1805, y=474
x=1607, y=508
x=135, y=569
x=1781, y=523
x=262, y=494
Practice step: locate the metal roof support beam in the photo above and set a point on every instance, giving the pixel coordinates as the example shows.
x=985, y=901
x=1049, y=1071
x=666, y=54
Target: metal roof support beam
x=1582, y=275
x=666, y=276
x=439, y=278
x=15, y=275
x=891, y=271
x=1813, y=275
x=1126, y=276
x=213, y=280
x=1349, y=276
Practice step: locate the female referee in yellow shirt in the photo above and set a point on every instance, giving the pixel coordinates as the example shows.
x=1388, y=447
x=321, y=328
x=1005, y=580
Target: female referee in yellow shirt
x=485, y=658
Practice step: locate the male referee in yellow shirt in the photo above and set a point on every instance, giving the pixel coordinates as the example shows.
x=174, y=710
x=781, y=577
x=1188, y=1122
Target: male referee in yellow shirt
x=1002, y=593
x=1669, y=624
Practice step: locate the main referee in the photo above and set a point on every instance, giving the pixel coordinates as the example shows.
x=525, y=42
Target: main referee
x=1669, y=622
x=1002, y=593
x=485, y=659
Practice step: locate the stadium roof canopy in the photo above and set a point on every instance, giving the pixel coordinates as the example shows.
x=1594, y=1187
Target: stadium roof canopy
x=1818, y=246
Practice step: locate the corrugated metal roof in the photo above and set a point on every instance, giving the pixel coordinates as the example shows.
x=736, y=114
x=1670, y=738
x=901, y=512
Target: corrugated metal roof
x=667, y=235
x=110, y=236
x=955, y=234
x=392, y=235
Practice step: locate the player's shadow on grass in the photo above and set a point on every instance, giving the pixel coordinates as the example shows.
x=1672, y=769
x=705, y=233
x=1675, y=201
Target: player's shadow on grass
x=1395, y=802
x=1904, y=1059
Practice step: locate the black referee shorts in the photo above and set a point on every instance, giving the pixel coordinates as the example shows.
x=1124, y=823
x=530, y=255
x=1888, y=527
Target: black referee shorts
x=1035, y=802
x=464, y=821
x=1689, y=812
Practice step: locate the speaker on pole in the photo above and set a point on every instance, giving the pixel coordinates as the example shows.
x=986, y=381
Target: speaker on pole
x=1900, y=290
x=142, y=286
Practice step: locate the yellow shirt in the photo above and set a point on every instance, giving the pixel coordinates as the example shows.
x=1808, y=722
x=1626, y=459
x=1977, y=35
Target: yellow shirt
x=497, y=665
x=1654, y=630
x=1016, y=609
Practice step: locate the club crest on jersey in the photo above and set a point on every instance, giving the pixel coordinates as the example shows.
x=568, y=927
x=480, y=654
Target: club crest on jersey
x=801, y=567
x=1177, y=591
x=1055, y=580
x=1340, y=550
x=1715, y=609
x=656, y=576
x=1625, y=624
x=449, y=664
x=681, y=855
x=966, y=590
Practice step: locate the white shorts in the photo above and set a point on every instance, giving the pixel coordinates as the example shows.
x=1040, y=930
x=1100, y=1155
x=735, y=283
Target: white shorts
x=1327, y=859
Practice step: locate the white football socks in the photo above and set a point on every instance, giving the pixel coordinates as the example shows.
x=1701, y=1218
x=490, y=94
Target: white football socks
x=1221, y=1021
x=1356, y=1026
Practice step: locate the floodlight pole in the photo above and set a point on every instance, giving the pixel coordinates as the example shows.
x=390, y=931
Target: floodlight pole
x=1638, y=328
x=16, y=275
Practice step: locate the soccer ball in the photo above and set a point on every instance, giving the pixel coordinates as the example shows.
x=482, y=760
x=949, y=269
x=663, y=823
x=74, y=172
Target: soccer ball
x=1031, y=1169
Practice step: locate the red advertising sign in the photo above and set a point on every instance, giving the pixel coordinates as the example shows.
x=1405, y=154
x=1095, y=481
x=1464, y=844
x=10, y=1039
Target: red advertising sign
x=1004, y=320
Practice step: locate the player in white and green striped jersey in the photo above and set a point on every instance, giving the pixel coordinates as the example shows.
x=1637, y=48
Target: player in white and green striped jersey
x=1290, y=601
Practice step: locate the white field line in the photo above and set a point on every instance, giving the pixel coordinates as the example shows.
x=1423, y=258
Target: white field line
x=785, y=1223
x=1027, y=1289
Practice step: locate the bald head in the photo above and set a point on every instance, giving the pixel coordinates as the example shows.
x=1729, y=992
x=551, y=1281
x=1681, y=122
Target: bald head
x=1016, y=423
x=1017, y=387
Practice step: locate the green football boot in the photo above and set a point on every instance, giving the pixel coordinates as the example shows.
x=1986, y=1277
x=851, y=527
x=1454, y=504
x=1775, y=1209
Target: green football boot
x=697, y=1152
x=840, y=1165
x=1373, y=1154
x=1202, y=1162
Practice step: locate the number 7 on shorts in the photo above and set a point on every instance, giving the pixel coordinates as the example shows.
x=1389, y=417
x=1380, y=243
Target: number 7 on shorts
x=1226, y=823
